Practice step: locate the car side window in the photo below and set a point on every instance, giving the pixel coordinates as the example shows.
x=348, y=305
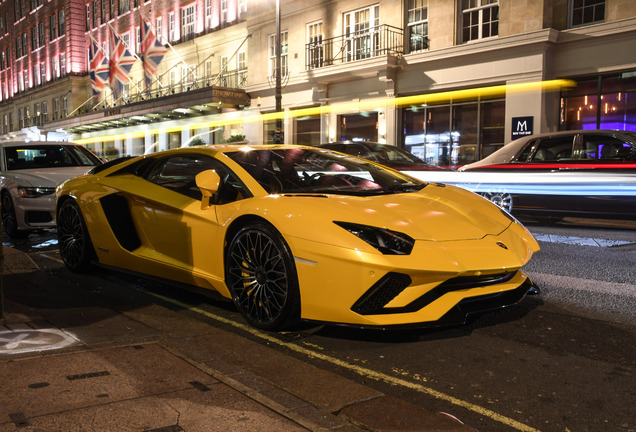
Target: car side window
x=556, y=149
x=605, y=147
x=178, y=173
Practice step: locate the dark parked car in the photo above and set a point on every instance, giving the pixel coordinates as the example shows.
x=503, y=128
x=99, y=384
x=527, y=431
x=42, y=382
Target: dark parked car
x=385, y=154
x=585, y=173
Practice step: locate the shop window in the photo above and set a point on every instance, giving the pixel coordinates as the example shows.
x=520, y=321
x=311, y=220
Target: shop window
x=601, y=102
x=358, y=127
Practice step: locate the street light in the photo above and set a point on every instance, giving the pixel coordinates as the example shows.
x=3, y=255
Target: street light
x=278, y=133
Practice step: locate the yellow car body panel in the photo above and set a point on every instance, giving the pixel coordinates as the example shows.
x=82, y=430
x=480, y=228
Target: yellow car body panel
x=456, y=234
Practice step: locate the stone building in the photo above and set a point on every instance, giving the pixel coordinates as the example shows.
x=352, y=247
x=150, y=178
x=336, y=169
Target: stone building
x=450, y=80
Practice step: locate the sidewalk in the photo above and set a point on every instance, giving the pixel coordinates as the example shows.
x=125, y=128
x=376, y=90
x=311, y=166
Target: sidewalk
x=70, y=363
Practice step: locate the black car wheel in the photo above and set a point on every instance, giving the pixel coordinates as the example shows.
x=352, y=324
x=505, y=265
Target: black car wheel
x=9, y=220
x=73, y=239
x=261, y=275
x=502, y=199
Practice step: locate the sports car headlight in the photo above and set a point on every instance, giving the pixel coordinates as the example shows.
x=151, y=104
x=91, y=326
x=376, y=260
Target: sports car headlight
x=386, y=241
x=34, y=192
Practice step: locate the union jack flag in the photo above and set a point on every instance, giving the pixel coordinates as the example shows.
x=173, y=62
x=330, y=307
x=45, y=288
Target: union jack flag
x=152, y=53
x=99, y=69
x=121, y=61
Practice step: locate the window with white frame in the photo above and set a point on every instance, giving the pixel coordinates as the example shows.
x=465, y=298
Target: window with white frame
x=223, y=11
x=224, y=72
x=138, y=42
x=208, y=13
x=159, y=28
x=283, y=54
x=208, y=69
x=56, y=109
x=45, y=112
x=36, y=75
x=56, y=67
x=361, y=31
x=242, y=7
x=585, y=12
x=171, y=27
x=43, y=72
x=241, y=64
x=479, y=19
x=315, y=51
x=36, y=113
x=417, y=16
x=63, y=64
x=188, y=20
x=64, y=106
x=27, y=83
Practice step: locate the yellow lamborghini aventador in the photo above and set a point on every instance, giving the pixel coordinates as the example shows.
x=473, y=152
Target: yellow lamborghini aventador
x=292, y=232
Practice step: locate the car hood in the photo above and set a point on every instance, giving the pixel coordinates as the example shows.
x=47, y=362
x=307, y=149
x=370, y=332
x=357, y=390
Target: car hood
x=45, y=177
x=437, y=213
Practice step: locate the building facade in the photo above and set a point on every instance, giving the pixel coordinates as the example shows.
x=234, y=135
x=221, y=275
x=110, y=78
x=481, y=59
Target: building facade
x=450, y=80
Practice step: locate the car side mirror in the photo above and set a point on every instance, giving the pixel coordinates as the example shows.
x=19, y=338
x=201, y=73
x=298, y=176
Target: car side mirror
x=208, y=182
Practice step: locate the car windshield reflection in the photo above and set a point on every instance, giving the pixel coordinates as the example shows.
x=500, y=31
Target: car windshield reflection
x=39, y=157
x=301, y=170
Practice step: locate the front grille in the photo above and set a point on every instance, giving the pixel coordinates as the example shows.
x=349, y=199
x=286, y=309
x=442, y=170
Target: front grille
x=375, y=299
x=381, y=293
x=36, y=216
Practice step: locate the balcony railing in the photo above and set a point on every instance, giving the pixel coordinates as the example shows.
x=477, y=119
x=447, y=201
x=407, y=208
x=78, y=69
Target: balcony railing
x=372, y=42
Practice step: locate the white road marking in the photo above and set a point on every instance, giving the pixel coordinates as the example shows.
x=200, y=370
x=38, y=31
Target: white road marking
x=580, y=241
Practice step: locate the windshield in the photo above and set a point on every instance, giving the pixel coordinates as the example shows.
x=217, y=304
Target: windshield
x=48, y=156
x=302, y=170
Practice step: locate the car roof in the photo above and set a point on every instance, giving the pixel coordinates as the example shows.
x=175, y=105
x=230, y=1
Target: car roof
x=33, y=143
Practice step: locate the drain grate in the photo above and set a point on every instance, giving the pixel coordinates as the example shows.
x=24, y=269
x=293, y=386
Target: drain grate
x=87, y=375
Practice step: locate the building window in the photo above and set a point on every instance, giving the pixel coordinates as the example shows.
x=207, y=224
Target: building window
x=601, y=102
x=283, y=54
x=3, y=60
x=171, y=27
x=479, y=19
x=360, y=29
x=241, y=64
x=56, y=109
x=36, y=75
x=138, y=33
x=315, y=48
x=43, y=72
x=159, y=28
x=102, y=16
x=208, y=13
x=25, y=44
x=34, y=38
x=113, y=8
x=41, y=41
x=20, y=118
x=18, y=47
x=36, y=114
x=88, y=17
x=242, y=7
x=45, y=113
x=61, y=21
x=188, y=21
x=418, y=25
x=56, y=67
x=27, y=83
x=64, y=106
x=223, y=11
x=53, y=27
x=63, y=64
x=124, y=6
x=584, y=12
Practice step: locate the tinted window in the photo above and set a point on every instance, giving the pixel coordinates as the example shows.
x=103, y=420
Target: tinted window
x=553, y=150
x=49, y=156
x=178, y=173
x=606, y=148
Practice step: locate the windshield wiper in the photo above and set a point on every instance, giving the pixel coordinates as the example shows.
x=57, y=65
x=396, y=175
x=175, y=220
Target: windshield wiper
x=406, y=187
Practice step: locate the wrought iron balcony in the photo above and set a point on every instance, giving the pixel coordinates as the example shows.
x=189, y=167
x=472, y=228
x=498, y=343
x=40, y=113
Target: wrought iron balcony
x=364, y=44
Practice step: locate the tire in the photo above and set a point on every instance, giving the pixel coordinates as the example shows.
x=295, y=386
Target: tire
x=74, y=241
x=501, y=199
x=9, y=220
x=261, y=276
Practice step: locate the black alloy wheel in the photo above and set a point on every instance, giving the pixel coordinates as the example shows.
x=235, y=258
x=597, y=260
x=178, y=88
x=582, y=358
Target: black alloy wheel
x=73, y=239
x=261, y=275
x=9, y=219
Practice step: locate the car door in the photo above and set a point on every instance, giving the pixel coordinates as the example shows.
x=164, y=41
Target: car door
x=606, y=161
x=171, y=224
